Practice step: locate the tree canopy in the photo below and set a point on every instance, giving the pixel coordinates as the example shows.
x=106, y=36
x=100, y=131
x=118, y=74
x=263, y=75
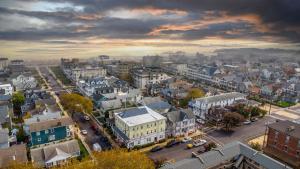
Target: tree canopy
x=76, y=103
x=232, y=119
x=194, y=93
x=112, y=159
x=18, y=100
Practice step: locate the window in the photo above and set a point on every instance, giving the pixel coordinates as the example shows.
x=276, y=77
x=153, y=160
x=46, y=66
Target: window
x=39, y=139
x=38, y=133
x=52, y=130
x=287, y=139
x=298, y=143
x=298, y=154
x=276, y=134
x=51, y=137
x=285, y=148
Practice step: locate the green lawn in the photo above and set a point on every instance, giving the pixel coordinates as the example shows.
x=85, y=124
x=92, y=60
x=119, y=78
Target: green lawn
x=285, y=104
x=60, y=75
x=83, y=152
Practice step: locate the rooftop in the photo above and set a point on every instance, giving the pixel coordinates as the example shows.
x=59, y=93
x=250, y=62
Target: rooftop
x=14, y=153
x=293, y=129
x=43, y=125
x=139, y=115
x=220, y=97
x=234, y=150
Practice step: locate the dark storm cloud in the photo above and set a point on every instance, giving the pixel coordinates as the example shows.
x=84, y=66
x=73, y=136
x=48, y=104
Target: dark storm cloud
x=280, y=18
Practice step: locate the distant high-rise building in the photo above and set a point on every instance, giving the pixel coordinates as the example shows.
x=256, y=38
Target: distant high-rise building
x=3, y=64
x=152, y=61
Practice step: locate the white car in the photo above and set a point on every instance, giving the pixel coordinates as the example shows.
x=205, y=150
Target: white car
x=87, y=118
x=186, y=139
x=84, y=132
x=198, y=143
x=247, y=122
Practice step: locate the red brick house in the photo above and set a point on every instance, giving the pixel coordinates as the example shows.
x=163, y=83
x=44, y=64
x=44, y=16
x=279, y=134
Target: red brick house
x=284, y=142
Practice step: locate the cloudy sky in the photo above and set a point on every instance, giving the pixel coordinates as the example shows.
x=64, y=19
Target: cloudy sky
x=87, y=28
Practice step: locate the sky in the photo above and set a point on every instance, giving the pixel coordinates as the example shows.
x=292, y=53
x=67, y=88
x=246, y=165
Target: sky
x=41, y=29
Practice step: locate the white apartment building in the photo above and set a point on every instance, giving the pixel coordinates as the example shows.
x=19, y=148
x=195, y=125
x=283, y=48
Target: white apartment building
x=201, y=73
x=143, y=77
x=86, y=72
x=139, y=126
x=201, y=106
x=6, y=88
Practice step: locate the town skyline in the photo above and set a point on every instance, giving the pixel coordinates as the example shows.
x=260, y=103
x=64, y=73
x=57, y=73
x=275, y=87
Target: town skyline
x=63, y=28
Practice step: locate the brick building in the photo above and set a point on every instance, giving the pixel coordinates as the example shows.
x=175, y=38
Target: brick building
x=284, y=142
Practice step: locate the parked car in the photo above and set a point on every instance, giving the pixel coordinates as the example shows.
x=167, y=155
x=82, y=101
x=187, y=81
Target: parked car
x=253, y=119
x=156, y=148
x=172, y=143
x=199, y=142
x=189, y=146
x=97, y=147
x=87, y=118
x=247, y=122
x=84, y=132
x=186, y=139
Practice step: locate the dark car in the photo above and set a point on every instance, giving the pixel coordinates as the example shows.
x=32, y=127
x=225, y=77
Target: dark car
x=156, y=148
x=172, y=143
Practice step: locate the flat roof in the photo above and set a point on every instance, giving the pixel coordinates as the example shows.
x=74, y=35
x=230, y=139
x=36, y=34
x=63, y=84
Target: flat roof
x=139, y=115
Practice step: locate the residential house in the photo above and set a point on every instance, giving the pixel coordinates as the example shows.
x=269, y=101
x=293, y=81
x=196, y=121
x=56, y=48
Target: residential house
x=201, y=106
x=180, y=123
x=139, y=126
x=216, y=114
x=42, y=132
x=231, y=155
x=31, y=96
x=5, y=113
x=98, y=85
x=23, y=82
x=283, y=142
x=6, y=89
x=55, y=154
x=4, y=138
x=161, y=107
x=15, y=153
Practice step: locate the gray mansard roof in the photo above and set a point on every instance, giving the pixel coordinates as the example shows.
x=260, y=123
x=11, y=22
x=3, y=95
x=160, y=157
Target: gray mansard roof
x=234, y=150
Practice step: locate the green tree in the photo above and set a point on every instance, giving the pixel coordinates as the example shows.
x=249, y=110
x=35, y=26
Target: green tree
x=21, y=135
x=76, y=103
x=18, y=100
x=232, y=119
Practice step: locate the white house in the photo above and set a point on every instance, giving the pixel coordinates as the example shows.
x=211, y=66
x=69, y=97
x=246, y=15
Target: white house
x=143, y=77
x=139, y=126
x=201, y=106
x=23, y=82
x=6, y=88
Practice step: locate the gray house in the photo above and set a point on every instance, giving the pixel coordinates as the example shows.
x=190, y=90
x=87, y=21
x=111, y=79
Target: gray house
x=180, y=122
